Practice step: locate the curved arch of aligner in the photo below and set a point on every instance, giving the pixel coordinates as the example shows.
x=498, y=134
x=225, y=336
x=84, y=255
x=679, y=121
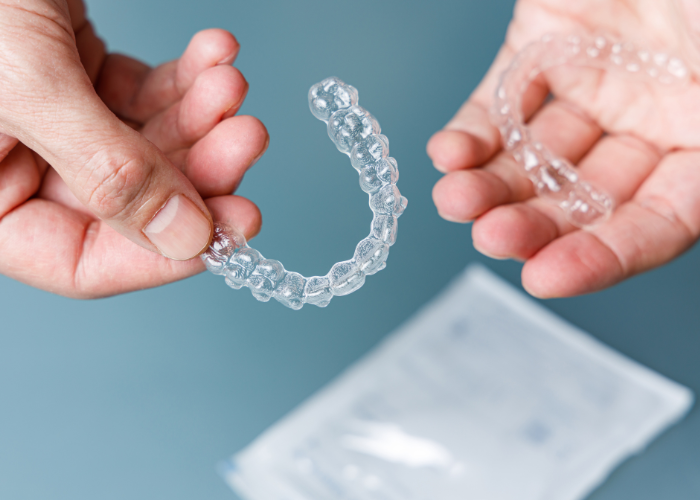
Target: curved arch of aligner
x=555, y=178
x=356, y=133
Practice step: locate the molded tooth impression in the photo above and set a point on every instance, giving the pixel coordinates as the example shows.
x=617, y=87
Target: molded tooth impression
x=357, y=134
x=554, y=178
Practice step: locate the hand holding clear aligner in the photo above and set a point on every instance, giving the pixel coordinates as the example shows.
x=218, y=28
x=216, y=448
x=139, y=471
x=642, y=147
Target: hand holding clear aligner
x=356, y=133
x=555, y=178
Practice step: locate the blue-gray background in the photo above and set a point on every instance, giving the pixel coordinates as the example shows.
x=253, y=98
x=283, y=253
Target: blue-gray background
x=139, y=396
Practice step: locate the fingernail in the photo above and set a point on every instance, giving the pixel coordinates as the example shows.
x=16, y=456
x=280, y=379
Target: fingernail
x=235, y=107
x=228, y=59
x=264, y=149
x=449, y=218
x=489, y=255
x=179, y=230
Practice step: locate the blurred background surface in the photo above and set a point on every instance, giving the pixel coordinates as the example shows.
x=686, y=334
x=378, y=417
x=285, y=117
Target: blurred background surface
x=139, y=396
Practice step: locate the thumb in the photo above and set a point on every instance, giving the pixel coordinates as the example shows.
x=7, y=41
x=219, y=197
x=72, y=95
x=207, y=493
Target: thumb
x=48, y=102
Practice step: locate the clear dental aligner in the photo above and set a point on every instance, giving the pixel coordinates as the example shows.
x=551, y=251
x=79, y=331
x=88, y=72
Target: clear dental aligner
x=357, y=134
x=555, y=178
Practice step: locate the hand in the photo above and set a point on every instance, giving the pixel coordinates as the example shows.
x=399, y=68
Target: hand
x=639, y=144
x=96, y=148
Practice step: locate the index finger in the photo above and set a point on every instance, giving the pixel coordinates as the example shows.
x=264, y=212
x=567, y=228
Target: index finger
x=470, y=139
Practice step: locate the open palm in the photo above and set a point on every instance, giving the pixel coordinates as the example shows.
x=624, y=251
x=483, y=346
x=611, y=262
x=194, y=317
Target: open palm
x=640, y=143
x=185, y=108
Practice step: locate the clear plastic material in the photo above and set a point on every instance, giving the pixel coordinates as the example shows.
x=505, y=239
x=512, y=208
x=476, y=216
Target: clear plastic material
x=357, y=134
x=555, y=178
x=484, y=395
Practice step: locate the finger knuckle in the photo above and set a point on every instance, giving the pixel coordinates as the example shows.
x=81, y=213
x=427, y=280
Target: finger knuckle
x=116, y=185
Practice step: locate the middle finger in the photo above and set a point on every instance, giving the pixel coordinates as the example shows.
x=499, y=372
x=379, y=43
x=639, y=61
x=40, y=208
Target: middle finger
x=464, y=195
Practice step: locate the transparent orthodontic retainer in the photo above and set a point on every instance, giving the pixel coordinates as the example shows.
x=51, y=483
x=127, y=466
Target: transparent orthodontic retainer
x=357, y=134
x=555, y=179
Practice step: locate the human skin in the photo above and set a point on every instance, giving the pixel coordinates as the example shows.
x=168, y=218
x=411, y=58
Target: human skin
x=638, y=143
x=94, y=147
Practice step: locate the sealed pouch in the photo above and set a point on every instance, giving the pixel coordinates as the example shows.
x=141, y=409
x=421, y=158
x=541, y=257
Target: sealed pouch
x=483, y=395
